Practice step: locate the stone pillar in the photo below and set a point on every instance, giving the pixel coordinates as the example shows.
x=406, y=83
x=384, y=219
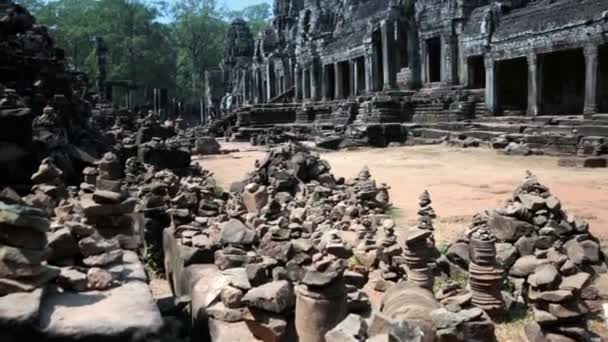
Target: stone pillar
x=413, y=58
x=356, y=73
x=339, y=86
x=305, y=92
x=326, y=80
x=297, y=83
x=270, y=88
x=314, y=82
x=591, y=74
x=388, y=53
x=533, y=85
x=369, y=82
x=491, y=81
x=377, y=77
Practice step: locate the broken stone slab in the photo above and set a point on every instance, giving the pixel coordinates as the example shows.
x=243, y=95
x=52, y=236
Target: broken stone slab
x=217, y=330
x=276, y=297
x=108, y=197
x=95, y=244
x=72, y=279
x=352, y=329
x=104, y=259
x=526, y=265
x=20, y=309
x=270, y=327
x=44, y=276
x=236, y=232
x=124, y=313
x=508, y=229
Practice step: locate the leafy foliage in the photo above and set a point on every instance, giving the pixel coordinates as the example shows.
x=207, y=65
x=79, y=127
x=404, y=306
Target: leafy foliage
x=158, y=43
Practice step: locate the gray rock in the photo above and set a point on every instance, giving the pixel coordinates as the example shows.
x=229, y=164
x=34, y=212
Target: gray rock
x=575, y=282
x=526, y=265
x=21, y=255
x=231, y=297
x=72, y=279
x=99, y=279
x=236, y=232
x=122, y=313
x=545, y=277
x=20, y=309
x=508, y=229
x=238, y=278
x=276, y=296
x=206, y=146
x=24, y=216
x=104, y=259
x=352, y=329
x=267, y=326
x=458, y=253
x=582, y=252
x=532, y=202
x=525, y=245
x=506, y=254
x=533, y=333
x=108, y=197
x=95, y=244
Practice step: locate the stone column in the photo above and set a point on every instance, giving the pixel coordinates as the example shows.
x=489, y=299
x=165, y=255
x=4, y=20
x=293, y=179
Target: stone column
x=491, y=81
x=339, y=86
x=533, y=85
x=326, y=95
x=356, y=73
x=368, y=72
x=305, y=93
x=591, y=74
x=297, y=83
x=388, y=53
x=269, y=82
x=413, y=59
x=375, y=67
x=314, y=82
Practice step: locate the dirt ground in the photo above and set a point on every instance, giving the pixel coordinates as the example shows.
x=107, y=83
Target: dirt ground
x=462, y=182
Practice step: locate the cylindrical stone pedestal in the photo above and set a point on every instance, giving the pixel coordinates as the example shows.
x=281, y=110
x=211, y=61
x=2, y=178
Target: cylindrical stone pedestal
x=317, y=312
x=485, y=278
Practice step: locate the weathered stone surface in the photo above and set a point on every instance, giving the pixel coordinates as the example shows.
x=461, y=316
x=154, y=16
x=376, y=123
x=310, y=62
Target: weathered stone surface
x=101, y=314
x=94, y=209
x=24, y=216
x=508, y=229
x=268, y=326
x=99, y=279
x=20, y=309
x=236, y=232
x=72, y=279
x=95, y=245
x=526, y=265
x=458, y=253
x=206, y=146
x=276, y=296
x=104, y=259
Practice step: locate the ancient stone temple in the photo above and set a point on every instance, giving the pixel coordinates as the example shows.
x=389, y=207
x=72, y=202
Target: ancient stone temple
x=423, y=61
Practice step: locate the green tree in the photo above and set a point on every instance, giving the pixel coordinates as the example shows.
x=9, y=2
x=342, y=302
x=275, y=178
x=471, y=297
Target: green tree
x=258, y=16
x=199, y=31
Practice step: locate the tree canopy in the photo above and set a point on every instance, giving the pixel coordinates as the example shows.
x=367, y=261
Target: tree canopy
x=153, y=42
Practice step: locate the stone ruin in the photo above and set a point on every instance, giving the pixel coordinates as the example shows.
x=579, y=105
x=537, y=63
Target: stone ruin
x=468, y=73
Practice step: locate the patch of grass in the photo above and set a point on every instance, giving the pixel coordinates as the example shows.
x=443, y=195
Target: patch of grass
x=154, y=265
x=510, y=326
x=396, y=214
x=460, y=278
x=443, y=247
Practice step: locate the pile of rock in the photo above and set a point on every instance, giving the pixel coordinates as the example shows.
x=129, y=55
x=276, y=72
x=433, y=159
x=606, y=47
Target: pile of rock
x=551, y=260
x=23, y=246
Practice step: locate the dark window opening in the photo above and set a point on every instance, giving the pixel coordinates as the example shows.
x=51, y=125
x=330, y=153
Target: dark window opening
x=562, y=83
x=433, y=47
x=512, y=84
x=477, y=72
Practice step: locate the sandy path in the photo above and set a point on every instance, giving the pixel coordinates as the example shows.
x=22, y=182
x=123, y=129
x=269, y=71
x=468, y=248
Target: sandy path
x=461, y=182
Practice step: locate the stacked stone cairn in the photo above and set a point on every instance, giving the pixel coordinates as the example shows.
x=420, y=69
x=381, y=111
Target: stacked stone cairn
x=23, y=246
x=485, y=277
x=419, y=245
x=553, y=264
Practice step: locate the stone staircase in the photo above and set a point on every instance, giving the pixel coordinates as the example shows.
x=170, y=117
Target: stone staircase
x=552, y=134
